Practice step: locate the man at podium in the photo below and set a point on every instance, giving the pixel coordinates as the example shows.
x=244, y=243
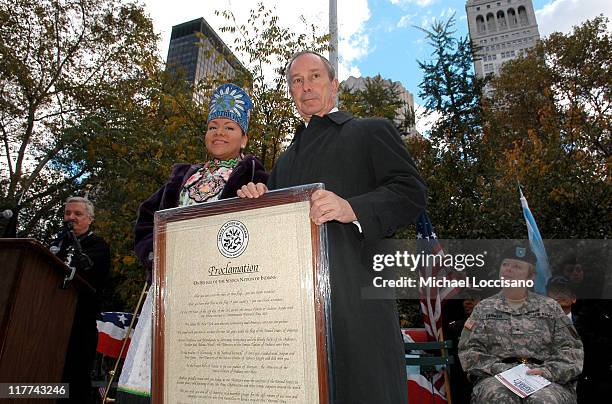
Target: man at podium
x=89, y=255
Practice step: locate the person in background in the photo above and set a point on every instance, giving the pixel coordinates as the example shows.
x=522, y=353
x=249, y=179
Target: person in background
x=592, y=317
x=189, y=184
x=92, y=263
x=559, y=289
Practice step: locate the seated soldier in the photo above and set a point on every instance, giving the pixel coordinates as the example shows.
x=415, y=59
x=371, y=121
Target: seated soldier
x=517, y=326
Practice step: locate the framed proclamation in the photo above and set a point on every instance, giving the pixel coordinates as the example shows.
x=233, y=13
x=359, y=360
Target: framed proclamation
x=242, y=304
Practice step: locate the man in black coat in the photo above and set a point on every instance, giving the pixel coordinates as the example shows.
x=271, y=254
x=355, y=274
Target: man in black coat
x=371, y=189
x=92, y=263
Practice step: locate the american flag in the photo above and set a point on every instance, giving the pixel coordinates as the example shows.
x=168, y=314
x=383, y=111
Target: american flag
x=420, y=389
x=112, y=331
x=432, y=299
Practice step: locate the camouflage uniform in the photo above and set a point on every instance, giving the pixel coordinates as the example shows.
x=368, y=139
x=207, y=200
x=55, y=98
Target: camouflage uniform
x=538, y=330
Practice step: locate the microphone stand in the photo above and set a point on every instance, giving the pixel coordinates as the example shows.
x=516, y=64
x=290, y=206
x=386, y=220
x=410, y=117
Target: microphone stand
x=75, y=240
x=79, y=252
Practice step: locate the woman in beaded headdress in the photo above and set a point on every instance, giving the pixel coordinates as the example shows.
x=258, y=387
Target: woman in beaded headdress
x=189, y=184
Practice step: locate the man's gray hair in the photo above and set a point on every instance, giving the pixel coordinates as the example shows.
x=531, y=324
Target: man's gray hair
x=88, y=204
x=331, y=72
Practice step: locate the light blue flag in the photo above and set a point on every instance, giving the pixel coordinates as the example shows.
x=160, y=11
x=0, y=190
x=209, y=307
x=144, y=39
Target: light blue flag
x=537, y=247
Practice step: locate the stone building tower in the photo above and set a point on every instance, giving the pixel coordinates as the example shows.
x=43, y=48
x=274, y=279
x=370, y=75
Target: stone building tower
x=500, y=30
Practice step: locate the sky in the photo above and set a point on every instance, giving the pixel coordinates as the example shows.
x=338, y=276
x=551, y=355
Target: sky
x=375, y=36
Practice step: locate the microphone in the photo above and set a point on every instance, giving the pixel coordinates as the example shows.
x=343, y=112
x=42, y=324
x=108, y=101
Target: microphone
x=66, y=231
x=10, y=229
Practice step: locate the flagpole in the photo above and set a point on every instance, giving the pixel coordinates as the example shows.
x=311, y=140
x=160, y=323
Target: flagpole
x=333, y=34
x=125, y=340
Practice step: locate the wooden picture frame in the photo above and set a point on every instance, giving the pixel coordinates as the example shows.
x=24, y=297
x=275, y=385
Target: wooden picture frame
x=256, y=329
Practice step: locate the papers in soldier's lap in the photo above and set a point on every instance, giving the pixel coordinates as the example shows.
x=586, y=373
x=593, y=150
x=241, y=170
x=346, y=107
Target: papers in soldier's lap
x=522, y=384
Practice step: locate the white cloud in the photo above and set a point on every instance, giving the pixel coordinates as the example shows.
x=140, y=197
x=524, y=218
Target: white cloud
x=354, y=41
x=428, y=18
x=424, y=122
x=405, y=21
x=561, y=15
x=345, y=71
x=352, y=16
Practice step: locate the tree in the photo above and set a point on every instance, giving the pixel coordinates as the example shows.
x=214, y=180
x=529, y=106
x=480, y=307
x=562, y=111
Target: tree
x=63, y=65
x=406, y=120
x=450, y=88
x=378, y=98
x=551, y=112
x=545, y=123
x=94, y=114
x=85, y=107
x=267, y=47
x=450, y=166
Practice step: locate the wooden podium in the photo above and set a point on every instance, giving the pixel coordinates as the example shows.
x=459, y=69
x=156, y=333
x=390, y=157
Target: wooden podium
x=35, y=312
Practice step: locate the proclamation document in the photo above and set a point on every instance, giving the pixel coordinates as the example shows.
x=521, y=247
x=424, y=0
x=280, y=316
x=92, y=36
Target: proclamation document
x=241, y=303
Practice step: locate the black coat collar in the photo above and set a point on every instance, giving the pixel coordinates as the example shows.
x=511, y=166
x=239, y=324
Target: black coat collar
x=338, y=117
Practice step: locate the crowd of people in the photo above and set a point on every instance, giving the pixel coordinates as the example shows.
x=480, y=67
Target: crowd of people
x=372, y=188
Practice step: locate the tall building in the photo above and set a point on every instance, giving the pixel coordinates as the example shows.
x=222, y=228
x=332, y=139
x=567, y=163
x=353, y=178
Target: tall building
x=500, y=30
x=359, y=83
x=198, y=52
